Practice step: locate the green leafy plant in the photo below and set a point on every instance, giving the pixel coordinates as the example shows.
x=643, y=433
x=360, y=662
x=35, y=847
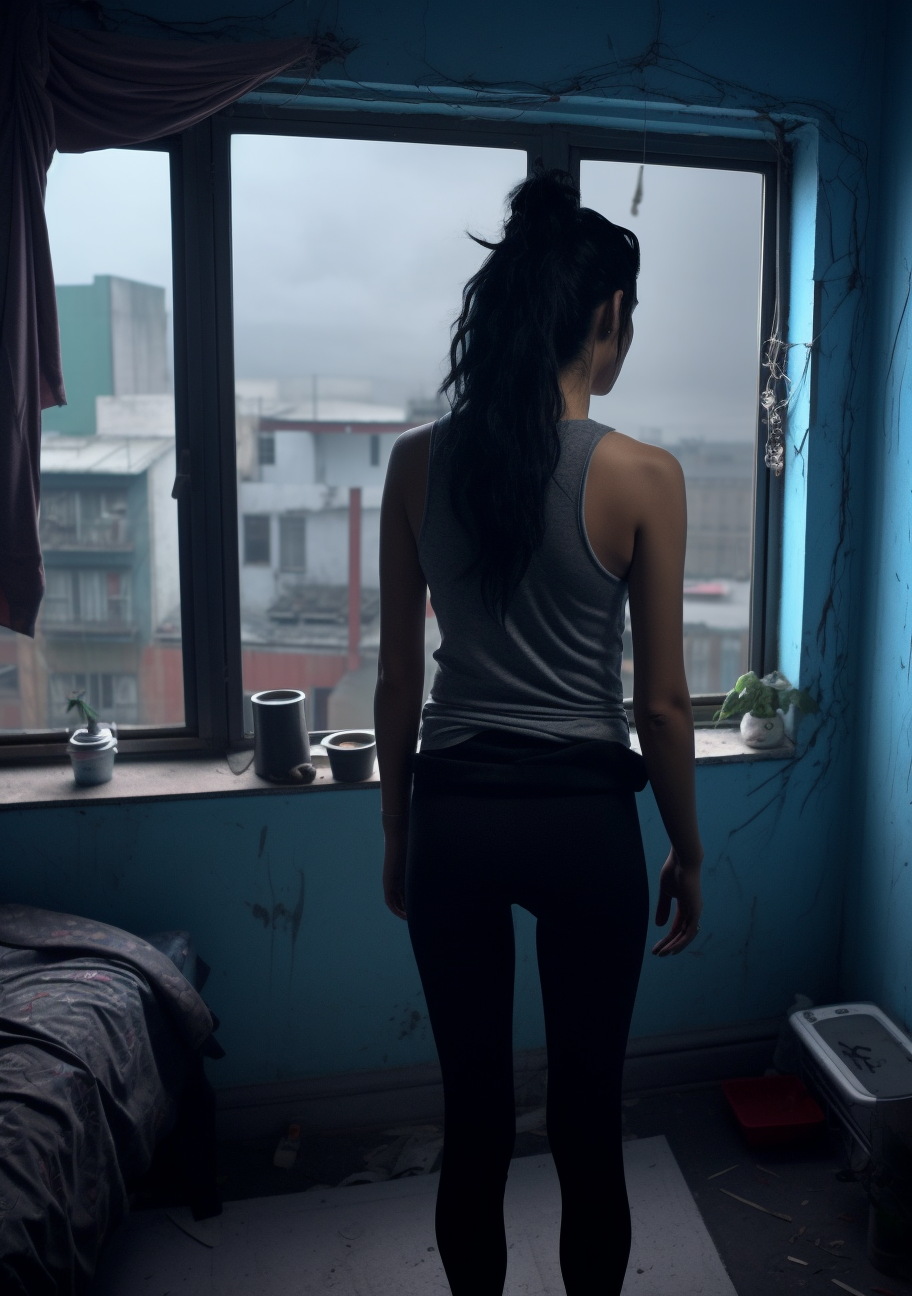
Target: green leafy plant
x=764, y=697
x=87, y=714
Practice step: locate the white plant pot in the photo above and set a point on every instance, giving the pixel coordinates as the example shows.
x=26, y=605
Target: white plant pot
x=92, y=756
x=760, y=731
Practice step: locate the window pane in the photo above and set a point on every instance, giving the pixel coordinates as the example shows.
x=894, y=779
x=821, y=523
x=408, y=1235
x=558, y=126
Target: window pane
x=349, y=262
x=690, y=382
x=256, y=538
x=293, y=544
x=110, y=621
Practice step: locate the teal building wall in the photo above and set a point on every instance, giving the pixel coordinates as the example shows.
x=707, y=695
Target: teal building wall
x=84, y=314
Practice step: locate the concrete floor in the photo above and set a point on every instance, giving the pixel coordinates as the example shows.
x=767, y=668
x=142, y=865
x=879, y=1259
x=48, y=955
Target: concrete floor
x=378, y=1240
x=829, y=1211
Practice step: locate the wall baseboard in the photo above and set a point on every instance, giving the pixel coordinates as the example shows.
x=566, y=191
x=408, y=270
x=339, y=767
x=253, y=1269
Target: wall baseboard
x=405, y=1095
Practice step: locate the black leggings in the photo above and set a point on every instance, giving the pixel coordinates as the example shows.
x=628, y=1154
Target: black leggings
x=576, y=862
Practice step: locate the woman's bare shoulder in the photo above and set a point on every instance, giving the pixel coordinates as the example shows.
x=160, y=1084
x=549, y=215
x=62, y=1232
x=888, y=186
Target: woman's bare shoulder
x=407, y=472
x=636, y=465
x=411, y=451
x=621, y=446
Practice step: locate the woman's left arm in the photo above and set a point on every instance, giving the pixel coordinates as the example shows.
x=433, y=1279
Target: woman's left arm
x=400, y=669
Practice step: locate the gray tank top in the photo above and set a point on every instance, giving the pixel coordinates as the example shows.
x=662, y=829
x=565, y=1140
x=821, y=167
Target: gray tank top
x=554, y=669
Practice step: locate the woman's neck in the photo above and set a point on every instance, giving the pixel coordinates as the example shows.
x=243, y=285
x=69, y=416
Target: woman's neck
x=575, y=390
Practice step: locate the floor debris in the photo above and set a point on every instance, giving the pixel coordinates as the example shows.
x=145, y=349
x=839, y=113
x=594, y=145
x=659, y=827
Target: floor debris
x=532, y=1122
x=846, y=1287
x=364, y=1177
x=756, y=1206
x=286, y=1153
x=413, y=1150
x=824, y=1246
x=722, y=1172
x=205, y=1231
x=795, y=1260
x=767, y=1171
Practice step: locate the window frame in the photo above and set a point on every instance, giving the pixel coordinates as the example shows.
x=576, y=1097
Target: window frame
x=203, y=363
x=731, y=153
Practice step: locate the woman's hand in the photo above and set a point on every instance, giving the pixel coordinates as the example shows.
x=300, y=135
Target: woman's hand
x=681, y=884
x=396, y=844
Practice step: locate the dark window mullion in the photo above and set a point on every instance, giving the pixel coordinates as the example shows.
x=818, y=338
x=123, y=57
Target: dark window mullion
x=182, y=450
x=202, y=392
x=767, y=536
x=224, y=332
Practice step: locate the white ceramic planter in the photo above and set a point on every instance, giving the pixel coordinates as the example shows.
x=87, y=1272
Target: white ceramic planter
x=92, y=756
x=758, y=731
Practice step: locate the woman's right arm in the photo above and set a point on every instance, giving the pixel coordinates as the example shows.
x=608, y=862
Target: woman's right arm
x=661, y=700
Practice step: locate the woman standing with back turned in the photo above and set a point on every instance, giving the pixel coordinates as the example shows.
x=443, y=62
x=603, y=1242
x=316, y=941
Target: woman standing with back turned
x=532, y=526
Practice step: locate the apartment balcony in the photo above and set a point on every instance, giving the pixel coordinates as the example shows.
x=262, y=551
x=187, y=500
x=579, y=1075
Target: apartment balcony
x=111, y=535
x=112, y=628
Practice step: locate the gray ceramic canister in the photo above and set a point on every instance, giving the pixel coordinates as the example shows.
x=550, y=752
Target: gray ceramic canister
x=280, y=741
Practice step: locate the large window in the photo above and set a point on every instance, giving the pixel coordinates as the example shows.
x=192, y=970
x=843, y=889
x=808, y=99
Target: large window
x=690, y=383
x=110, y=622
x=349, y=258
x=211, y=492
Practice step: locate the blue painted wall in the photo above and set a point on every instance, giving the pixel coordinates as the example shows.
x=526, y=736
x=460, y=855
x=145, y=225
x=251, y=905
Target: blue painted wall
x=311, y=973
x=878, y=958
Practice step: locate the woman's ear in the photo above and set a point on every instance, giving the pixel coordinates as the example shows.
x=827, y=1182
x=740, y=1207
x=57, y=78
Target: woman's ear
x=605, y=320
x=616, y=301
x=608, y=316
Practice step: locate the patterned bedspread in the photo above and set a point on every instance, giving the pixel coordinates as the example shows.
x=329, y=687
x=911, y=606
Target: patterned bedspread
x=99, y=1032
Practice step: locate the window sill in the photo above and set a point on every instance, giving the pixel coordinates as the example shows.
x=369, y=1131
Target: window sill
x=166, y=779
x=725, y=746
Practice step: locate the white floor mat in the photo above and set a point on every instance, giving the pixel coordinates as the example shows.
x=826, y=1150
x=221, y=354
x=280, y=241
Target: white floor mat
x=378, y=1240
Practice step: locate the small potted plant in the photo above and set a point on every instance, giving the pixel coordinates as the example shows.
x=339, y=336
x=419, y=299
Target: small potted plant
x=763, y=705
x=92, y=746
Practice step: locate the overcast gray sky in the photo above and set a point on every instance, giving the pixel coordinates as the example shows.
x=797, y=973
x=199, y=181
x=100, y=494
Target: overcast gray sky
x=349, y=259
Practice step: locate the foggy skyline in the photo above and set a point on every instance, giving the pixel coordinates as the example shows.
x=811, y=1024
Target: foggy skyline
x=350, y=257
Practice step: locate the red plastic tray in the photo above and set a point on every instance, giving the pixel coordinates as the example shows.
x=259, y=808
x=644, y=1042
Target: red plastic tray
x=774, y=1110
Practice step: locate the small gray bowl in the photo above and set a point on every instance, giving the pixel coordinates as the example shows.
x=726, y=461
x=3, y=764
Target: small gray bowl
x=355, y=763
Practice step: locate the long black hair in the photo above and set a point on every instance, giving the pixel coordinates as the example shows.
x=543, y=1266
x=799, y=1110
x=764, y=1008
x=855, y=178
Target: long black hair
x=525, y=316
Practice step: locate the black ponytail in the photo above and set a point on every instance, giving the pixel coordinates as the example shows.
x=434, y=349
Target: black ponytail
x=525, y=316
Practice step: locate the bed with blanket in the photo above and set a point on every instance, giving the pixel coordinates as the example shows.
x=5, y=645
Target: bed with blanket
x=102, y=1036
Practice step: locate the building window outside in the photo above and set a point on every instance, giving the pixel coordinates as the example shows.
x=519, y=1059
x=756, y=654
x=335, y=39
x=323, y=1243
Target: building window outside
x=59, y=606
x=699, y=651
x=293, y=544
x=114, y=695
x=257, y=549
x=86, y=596
x=266, y=449
x=732, y=654
x=375, y=452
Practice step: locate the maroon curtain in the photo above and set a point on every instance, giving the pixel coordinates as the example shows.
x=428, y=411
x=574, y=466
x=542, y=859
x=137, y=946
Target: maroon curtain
x=78, y=91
